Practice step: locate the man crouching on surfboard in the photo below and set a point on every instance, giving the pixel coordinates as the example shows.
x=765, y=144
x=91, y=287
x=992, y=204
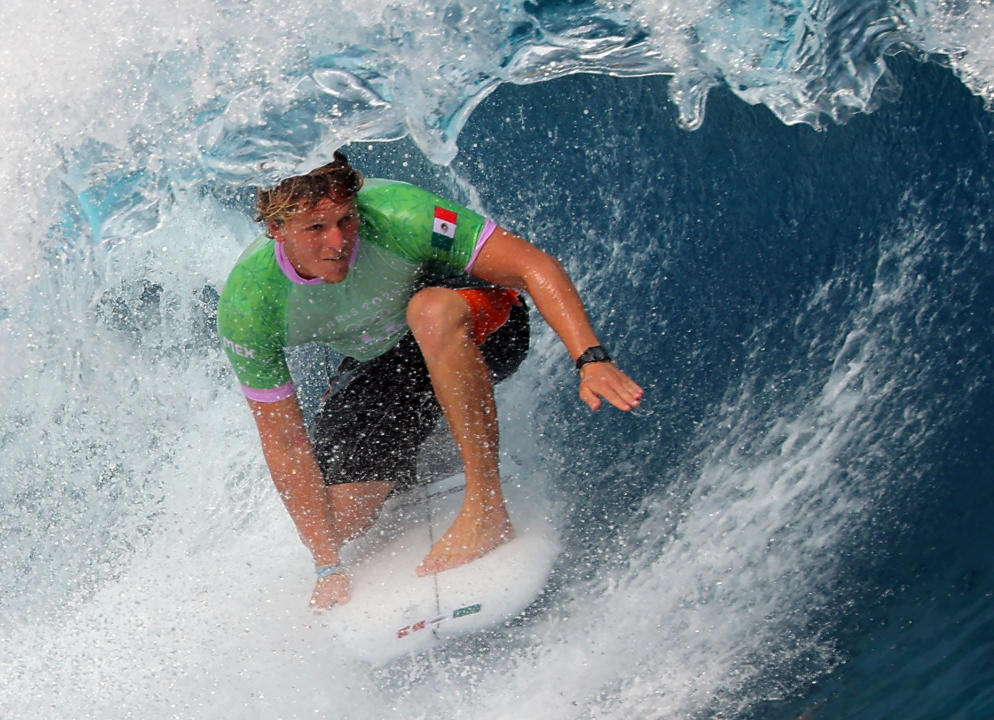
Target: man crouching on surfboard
x=421, y=296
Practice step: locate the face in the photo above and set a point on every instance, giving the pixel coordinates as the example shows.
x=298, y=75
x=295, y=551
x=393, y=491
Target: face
x=319, y=240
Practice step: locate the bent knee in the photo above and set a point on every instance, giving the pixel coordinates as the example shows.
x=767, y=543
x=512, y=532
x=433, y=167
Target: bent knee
x=438, y=313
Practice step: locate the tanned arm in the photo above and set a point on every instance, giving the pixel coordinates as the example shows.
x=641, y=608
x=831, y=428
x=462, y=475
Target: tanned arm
x=512, y=261
x=300, y=483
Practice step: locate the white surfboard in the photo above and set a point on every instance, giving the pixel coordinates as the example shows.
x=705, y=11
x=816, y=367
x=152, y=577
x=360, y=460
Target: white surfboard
x=394, y=612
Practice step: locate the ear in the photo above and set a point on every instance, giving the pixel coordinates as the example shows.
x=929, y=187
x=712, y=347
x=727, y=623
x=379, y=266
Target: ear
x=275, y=230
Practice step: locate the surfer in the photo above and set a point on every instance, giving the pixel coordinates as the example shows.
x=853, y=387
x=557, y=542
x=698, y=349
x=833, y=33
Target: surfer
x=422, y=298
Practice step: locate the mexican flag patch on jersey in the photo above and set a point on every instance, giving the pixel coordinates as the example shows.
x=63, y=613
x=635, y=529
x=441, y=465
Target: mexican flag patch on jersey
x=443, y=230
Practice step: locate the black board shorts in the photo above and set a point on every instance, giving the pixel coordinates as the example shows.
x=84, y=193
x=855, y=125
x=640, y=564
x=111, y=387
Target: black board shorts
x=377, y=414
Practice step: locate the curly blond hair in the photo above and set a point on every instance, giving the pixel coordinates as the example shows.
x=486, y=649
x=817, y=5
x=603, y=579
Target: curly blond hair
x=337, y=180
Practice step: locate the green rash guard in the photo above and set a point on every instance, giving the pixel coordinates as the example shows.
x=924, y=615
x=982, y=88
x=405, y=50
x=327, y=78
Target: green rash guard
x=405, y=233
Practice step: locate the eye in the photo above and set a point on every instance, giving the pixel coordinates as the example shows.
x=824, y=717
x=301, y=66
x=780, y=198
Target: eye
x=346, y=219
x=316, y=227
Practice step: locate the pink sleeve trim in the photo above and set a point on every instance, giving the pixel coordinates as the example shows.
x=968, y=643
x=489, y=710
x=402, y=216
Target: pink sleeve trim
x=270, y=395
x=488, y=229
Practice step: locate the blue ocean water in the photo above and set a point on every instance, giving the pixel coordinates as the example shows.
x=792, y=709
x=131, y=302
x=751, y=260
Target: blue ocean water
x=780, y=216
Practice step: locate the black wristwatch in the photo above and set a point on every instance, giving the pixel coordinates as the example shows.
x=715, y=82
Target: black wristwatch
x=597, y=353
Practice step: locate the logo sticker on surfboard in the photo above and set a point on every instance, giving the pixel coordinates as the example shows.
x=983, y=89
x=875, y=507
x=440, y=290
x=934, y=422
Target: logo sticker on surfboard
x=435, y=622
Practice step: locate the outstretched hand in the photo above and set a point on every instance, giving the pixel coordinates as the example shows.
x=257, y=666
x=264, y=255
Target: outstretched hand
x=330, y=591
x=603, y=380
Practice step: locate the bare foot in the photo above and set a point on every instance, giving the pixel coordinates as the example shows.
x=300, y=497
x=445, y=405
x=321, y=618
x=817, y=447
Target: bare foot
x=471, y=536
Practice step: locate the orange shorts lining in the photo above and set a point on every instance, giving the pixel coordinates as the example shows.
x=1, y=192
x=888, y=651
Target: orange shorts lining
x=489, y=307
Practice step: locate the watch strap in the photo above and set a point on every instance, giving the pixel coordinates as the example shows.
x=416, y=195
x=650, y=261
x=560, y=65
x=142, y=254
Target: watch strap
x=597, y=353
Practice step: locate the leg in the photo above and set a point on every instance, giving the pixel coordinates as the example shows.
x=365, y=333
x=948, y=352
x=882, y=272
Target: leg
x=365, y=438
x=374, y=419
x=441, y=323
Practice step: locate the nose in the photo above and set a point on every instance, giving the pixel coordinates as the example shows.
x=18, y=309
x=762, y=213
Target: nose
x=334, y=239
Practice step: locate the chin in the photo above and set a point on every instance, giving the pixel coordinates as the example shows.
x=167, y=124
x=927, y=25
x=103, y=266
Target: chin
x=334, y=277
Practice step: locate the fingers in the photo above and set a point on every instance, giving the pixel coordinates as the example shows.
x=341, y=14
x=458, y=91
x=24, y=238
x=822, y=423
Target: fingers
x=605, y=381
x=589, y=396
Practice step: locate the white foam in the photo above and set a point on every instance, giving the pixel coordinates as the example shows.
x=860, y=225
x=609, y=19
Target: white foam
x=147, y=566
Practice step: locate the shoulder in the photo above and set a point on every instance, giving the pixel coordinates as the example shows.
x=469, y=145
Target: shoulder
x=393, y=200
x=394, y=215
x=254, y=287
x=384, y=189
x=399, y=200
x=417, y=224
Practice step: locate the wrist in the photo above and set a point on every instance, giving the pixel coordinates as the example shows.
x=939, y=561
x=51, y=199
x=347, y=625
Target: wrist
x=593, y=354
x=323, y=571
